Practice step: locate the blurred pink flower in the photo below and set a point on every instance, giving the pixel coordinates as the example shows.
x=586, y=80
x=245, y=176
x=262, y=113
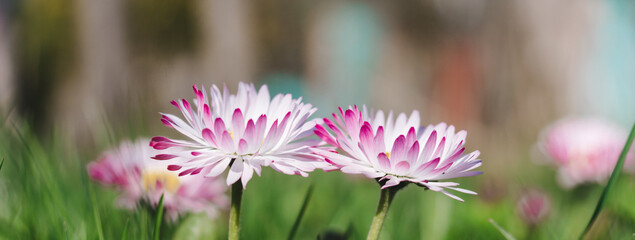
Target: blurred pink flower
x=244, y=131
x=142, y=179
x=533, y=206
x=584, y=149
x=393, y=152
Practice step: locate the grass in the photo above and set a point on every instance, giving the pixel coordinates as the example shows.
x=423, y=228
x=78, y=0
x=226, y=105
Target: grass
x=298, y=220
x=159, y=218
x=616, y=173
x=45, y=194
x=505, y=234
x=100, y=231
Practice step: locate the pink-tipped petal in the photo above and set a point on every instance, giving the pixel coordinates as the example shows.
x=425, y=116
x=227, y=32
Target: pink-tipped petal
x=413, y=153
x=250, y=133
x=227, y=142
x=398, y=151
x=186, y=172
x=238, y=123
x=164, y=157
x=208, y=135
x=411, y=137
x=379, y=140
x=174, y=167
x=242, y=147
x=384, y=162
x=367, y=141
x=402, y=168
x=261, y=127
x=219, y=126
x=430, y=145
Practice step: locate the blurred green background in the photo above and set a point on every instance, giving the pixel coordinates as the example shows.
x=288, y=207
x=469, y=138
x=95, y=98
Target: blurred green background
x=78, y=76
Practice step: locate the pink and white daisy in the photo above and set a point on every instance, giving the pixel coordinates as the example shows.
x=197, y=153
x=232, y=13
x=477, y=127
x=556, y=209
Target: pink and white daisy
x=394, y=152
x=245, y=131
x=584, y=149
x=142, y=179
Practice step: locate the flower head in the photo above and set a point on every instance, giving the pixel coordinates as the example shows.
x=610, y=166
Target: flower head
x=245, y=131
x=533, y=206
x=142, y=179
x=394, y=152
x=584, y=149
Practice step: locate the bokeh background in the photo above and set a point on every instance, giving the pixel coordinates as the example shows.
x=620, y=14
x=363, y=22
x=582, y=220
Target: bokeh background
x=78, y=76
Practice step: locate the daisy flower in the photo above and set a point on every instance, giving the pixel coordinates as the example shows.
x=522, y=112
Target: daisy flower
x=141, y=179
x=244, y=132
x=396, y=151
x=584, y=149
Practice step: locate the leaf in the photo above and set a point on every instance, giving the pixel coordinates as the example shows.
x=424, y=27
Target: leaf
x=1, y=163
x=616, y=173
x=506, y=234
x=305, y=203
x=157, y=226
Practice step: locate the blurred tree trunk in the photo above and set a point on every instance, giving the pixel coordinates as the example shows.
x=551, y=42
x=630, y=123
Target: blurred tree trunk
x=227, y=51
x=101, y=85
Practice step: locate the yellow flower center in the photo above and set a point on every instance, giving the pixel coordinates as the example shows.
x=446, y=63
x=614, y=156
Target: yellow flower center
x=388, y=155
x=167, y=180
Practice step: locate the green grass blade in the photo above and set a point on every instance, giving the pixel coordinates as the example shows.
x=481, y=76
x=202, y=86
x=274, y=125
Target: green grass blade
x=124, y=235
x=305, y=203
x=143, y=223
x=612, y=180
x=1, y=163
x=100, y=231
x=157, y=226
x=506, y=234
x=66, y=230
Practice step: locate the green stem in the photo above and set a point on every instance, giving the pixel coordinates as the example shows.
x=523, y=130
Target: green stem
x=382, y=209
x=234, y=211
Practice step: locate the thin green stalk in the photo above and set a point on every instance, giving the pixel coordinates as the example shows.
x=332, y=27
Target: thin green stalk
x=385, y=199
x=234, y=211
x=505, y=234
x=305, y=203
x=157, y=226
x=612, y=180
